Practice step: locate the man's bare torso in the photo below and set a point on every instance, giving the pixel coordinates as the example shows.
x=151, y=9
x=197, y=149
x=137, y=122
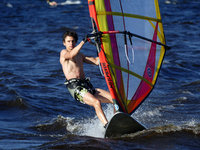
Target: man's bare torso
x=73, y=68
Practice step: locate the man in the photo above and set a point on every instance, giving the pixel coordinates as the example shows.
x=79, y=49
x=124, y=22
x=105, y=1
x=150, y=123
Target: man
x=80, y=87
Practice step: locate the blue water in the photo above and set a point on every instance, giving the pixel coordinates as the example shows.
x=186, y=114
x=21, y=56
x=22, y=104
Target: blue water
x=37, y=111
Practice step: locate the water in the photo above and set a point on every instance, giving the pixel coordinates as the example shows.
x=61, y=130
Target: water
x=36, y=110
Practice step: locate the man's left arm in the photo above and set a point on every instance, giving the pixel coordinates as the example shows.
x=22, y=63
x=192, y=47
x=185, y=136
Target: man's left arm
x=91, y=60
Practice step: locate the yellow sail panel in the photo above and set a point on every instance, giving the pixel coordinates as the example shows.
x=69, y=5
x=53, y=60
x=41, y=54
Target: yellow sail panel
x=103, y=26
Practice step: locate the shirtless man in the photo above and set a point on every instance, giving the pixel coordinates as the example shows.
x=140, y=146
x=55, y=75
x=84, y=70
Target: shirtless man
x=80, y=87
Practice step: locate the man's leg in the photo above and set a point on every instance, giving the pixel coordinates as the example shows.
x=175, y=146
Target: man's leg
x=93, y=101
x=104, y=97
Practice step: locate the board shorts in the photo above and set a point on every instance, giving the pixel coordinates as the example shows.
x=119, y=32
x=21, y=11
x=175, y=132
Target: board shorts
x=79, y=87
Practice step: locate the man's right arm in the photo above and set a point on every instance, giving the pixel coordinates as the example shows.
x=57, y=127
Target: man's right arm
x=70, y=54
x=75, y=50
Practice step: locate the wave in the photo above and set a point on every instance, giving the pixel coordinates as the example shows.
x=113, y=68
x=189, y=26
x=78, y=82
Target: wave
x=15, y=102
x=69, y=2
x=57, y=125
x=161, y=137
x=65, y=126
x=190, y=129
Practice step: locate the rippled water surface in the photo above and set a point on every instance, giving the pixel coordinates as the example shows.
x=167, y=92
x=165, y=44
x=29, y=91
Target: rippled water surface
x=36, y=110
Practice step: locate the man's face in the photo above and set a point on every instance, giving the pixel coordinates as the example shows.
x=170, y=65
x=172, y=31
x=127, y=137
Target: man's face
x=69, y=42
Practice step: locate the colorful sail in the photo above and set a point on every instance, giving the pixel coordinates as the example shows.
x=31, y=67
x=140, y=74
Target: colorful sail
x=131, y=44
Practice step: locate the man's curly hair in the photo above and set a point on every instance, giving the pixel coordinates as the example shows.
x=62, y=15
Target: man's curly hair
x=70, y=33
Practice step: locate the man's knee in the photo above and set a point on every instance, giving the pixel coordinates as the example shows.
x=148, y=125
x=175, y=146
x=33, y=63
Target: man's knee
x=97, y=103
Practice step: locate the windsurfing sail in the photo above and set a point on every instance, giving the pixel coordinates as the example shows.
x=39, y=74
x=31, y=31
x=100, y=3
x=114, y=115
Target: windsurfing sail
x=131, y=45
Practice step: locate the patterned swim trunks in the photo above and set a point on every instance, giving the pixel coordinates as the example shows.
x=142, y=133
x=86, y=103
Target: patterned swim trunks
x=79, y=87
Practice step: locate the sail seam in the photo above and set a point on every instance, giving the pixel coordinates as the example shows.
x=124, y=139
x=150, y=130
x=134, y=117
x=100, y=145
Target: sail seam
x=132, y=73
x=128, y=15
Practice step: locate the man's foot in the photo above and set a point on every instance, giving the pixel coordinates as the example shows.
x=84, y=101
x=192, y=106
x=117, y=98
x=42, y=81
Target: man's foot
x=105, y=126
